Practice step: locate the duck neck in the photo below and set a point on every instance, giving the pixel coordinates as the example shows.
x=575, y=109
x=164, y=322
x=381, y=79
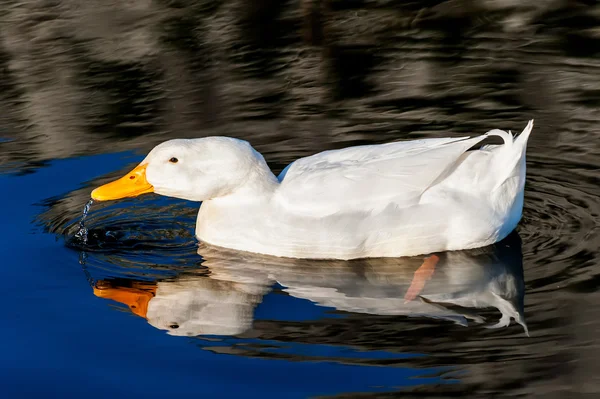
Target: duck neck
x=219, y=218
x=258, y=186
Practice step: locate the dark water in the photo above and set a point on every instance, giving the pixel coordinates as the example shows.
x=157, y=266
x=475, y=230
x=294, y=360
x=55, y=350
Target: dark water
x=141, y=309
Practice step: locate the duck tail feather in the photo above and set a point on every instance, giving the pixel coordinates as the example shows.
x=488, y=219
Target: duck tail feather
x=521, y=140
x=510, y=158
x=507, y=137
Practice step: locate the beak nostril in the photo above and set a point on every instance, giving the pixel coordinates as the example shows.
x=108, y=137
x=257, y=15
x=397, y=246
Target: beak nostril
x=132, y=177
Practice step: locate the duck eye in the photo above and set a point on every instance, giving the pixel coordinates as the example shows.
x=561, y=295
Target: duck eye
x=174, y=326
x=173, y=160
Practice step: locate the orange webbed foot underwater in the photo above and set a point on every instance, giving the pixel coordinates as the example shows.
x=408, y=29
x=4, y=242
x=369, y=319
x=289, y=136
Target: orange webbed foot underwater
x=422, y=275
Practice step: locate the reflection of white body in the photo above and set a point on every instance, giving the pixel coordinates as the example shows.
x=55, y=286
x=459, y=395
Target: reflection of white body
x=461, y=281
x=200, y=305
x=223, y=302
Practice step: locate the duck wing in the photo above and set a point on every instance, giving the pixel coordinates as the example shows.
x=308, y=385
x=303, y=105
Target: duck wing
x=368, y=178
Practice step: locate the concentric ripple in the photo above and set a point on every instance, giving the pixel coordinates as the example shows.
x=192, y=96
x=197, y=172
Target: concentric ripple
x=147, y=237
x=560, y=222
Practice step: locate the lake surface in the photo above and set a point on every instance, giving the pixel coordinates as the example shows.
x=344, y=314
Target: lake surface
x=143, y=309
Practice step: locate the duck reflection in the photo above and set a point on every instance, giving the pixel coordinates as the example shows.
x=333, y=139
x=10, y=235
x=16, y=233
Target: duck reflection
x=189, y=305
x=449, y=286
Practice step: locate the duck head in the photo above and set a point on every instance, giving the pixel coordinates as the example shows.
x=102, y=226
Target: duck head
x=196, y=170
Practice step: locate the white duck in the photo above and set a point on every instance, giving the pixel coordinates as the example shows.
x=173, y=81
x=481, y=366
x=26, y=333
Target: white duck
x=397, y=199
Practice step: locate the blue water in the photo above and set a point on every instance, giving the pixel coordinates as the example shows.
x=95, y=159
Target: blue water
x=60, y=340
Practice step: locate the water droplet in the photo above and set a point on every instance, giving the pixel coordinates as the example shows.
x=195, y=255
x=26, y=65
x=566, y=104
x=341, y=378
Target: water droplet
x=83, y=231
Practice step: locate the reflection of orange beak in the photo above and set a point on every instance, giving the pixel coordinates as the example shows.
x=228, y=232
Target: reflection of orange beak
x=132, y=184
x=137, y=297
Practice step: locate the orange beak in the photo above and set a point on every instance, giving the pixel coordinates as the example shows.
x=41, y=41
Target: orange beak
x=136, y=298
x=132, y=184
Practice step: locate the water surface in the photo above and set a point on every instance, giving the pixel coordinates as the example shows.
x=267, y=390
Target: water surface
x=143, y=309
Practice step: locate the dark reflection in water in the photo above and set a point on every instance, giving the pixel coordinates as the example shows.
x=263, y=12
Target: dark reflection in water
x=292, y=76
x=295, y=78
